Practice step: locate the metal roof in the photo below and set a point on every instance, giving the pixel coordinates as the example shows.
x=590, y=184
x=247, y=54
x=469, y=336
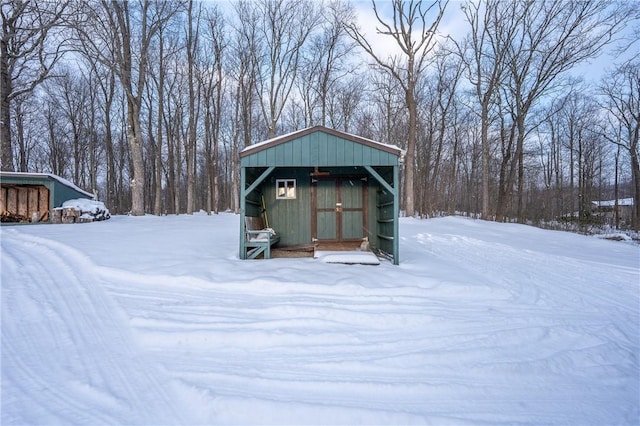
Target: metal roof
x=50, y=176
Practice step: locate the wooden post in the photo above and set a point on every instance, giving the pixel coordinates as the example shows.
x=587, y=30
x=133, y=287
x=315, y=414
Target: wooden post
x=396, y=219
x=243, y=195
x=23, y=202
x=12, y=200
x=43, y=203
x=3, y=199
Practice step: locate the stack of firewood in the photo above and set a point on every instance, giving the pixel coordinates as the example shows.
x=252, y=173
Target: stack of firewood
x=8, y=216
x=80, y=211
x=66, y=215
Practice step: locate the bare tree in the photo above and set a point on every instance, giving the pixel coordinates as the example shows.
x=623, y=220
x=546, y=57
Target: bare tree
x=157, y=83
x=161, y=86
x=211, y=79
x=327, y=59
x=192, y=45
x=243, y=69
x=68, y=94
x=104, y=90
x=580, y=137
x=173, y=123
x=493, y=24
x=553, y=164
x=120, y=36
x=24, y=109
x=518, y=54
x=283, y=28
x=554, y=38
x=344, y=101
x=29, y=50
x=622, y=93
x=409, y=18
x=58, y=146
x=388, y=104
x=438, y=98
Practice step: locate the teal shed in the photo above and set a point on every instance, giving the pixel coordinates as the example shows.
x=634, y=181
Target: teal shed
x=320, y=188
x=33, y=196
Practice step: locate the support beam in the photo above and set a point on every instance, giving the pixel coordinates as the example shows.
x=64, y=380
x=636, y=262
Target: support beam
x=396, y=220
x=379, y=178
x=258, y=181
x=396, y=207
x=243, y=204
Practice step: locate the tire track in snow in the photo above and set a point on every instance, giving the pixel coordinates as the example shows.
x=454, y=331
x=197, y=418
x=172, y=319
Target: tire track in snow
x=65, y=344
x=549, y=278
x=413, y=350
x=258, y=342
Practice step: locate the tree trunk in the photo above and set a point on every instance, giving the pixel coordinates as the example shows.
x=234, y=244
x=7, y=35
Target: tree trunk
x=635, y=168
x=6, y=159
x=520, y=160
x=486, y=156
x=190, y=149
x=134, y=137
x=216, y=132
x=22, y=148
x=409, y=160
x=157, y=206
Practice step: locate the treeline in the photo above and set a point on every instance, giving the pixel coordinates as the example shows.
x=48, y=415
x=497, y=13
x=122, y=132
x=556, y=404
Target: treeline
x=148, y=103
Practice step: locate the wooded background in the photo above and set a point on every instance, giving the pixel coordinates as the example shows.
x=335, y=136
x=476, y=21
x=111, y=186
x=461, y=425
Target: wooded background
x=148, y=103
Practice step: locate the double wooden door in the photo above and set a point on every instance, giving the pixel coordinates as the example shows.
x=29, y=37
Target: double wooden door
x=339, y=208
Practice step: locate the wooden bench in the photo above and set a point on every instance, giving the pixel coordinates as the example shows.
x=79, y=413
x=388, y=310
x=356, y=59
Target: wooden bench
x=258, y=239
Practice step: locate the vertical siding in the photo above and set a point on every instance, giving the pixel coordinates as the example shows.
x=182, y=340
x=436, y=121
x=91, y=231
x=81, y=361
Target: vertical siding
x=339, y=151
x=63, y=193
x=357, y=153
x=319, y=149
x=291, y=219
x=352, y=225
x=296, y=158
x=313, y=150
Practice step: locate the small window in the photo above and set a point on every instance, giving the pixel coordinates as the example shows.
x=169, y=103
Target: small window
x=285, y=189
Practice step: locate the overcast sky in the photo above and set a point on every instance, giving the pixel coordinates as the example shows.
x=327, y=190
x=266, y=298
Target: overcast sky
x=455, y=25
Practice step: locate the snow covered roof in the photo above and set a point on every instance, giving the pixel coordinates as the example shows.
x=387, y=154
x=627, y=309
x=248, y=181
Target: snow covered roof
x=61, y=180
x=299, y=133
x=611, y=203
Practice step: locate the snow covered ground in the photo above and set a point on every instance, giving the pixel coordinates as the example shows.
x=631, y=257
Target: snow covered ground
x=155, y=320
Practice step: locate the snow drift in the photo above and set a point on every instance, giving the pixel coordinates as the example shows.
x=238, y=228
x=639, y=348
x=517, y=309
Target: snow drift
x=155, y=320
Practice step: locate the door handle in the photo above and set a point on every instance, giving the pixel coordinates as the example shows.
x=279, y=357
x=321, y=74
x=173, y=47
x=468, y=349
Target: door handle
x=338, y=207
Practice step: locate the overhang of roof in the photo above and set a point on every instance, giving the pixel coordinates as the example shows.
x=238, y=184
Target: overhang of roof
x=252, y=149
x=48, y=176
